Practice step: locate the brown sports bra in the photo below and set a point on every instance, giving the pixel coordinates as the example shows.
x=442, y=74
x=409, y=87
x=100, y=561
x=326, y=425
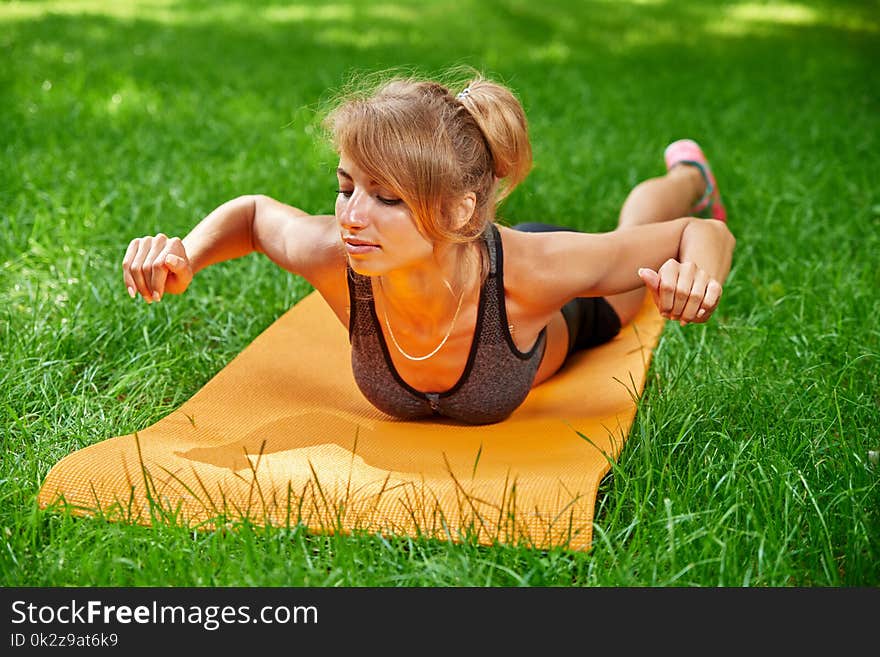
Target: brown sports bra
x=496, y=378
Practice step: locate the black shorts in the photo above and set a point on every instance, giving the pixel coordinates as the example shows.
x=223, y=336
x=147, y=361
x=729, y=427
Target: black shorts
x=591, y=320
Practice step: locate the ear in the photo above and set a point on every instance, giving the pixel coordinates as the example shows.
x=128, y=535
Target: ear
x=464, y=210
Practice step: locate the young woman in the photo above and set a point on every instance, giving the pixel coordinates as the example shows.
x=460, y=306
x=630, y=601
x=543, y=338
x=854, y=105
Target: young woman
x=448, y=311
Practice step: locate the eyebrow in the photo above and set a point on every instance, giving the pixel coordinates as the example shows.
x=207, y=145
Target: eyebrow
x=345, y=174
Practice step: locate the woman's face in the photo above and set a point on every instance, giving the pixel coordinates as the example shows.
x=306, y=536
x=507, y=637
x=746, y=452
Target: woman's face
x=378, y=230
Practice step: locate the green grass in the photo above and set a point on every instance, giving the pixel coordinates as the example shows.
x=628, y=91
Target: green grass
x=748, y=462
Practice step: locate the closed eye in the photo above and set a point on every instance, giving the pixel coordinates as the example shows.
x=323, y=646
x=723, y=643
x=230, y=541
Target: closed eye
x=382, y=199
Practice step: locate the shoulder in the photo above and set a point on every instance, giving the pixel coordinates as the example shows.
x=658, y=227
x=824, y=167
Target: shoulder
x=542, y=271
x=531, y=260
x=528, y=280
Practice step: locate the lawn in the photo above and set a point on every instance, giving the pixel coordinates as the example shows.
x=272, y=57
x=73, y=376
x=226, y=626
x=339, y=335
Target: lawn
x=752, y=460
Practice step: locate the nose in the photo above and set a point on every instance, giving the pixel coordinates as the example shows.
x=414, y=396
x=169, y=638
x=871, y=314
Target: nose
x=353, y=214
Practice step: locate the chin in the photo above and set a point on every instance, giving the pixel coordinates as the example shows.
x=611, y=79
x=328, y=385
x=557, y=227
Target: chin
x=364, y=268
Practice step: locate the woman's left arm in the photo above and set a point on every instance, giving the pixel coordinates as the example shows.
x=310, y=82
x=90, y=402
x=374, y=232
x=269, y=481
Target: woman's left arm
x=682, y=262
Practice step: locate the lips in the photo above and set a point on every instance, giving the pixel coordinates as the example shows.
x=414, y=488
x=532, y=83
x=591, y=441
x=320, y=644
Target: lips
x=356, y=246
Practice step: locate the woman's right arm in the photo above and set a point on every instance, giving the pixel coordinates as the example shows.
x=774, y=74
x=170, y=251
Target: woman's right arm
x=295, y=240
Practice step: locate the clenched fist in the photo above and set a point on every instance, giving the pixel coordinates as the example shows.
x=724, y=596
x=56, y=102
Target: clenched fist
x=682, y=291
x=155, y=265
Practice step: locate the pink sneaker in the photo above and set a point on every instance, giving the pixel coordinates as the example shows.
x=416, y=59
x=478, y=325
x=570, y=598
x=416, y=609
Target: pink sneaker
x=687, y=151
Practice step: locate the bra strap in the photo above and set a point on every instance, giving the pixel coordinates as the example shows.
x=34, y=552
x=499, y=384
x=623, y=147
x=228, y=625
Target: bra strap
x=492, y=238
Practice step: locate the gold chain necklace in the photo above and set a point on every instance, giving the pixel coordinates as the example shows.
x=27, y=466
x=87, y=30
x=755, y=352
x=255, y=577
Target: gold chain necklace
x=442, y=342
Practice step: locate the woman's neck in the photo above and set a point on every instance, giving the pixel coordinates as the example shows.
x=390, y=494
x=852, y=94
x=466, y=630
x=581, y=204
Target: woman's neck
x=420, y=295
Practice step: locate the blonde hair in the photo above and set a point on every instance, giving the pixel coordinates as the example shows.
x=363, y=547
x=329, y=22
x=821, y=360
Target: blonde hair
x=431, y=145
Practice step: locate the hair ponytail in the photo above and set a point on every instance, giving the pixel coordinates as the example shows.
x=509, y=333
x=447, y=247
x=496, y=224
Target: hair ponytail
x=502, y=121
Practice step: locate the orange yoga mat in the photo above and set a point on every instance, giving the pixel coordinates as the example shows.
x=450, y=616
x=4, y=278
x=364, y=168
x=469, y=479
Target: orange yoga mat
x=282, y=435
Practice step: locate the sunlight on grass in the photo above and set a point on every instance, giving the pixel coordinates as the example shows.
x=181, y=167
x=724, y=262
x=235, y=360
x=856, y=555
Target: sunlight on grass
x=129, y=96
x=752, y=17
x=172, y=11
x=296, y=13
x=635, y=2
x=554, y=51
x=158, y=9
x=790, y=14
x=748, y=18
x=161, y=11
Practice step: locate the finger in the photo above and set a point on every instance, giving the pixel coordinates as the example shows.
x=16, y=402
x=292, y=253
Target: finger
x=137, y=267
x=176, y=259
x=176, y=271
x=157, y=270
x=710, y=299
x=176, y=264
x=126, y=267
x=180, y=274
x=686, y=274
x=651, y=279
x=695, y=300
x=668, y=284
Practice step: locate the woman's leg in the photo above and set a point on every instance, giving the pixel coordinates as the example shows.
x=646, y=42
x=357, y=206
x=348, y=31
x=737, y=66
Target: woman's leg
x=652, y=201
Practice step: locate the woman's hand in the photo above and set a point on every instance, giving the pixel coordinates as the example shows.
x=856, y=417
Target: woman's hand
x=153, y=266
x=682, y=291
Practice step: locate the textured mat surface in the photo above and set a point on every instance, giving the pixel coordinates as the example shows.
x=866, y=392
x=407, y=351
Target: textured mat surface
x=282, y=434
